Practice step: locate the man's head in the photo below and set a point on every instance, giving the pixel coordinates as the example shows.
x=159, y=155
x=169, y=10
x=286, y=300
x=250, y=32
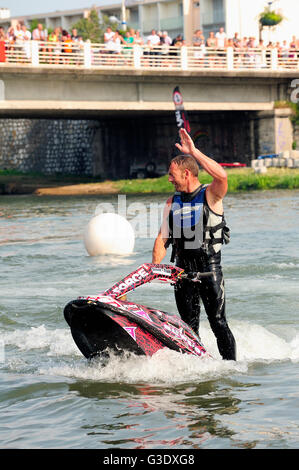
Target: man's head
x=183, y=173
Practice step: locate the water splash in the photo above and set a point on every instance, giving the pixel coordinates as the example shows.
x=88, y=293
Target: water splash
x=255, y=344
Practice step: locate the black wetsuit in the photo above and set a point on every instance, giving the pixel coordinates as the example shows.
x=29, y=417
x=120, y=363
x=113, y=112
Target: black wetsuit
x=210, y=290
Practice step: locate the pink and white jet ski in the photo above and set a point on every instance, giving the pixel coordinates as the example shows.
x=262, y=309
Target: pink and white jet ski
x=108, y=322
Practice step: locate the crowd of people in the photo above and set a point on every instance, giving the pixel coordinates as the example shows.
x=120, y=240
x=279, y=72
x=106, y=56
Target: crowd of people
x=60, y=44
x=57, y=43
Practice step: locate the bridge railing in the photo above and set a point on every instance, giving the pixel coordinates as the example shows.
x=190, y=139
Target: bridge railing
x=89, y=55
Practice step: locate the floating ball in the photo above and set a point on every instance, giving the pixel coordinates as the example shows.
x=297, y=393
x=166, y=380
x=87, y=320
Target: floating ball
x=109, y=233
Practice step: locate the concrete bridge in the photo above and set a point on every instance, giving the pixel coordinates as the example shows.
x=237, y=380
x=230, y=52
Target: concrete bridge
x=234, y=113
x=77, y=92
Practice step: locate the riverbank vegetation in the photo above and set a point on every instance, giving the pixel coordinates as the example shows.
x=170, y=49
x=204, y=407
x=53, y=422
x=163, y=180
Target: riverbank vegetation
x=244, y=179
x=239, y=180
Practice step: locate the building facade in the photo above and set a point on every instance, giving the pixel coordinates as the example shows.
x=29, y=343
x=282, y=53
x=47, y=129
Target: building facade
x=242, y=17
x=181, y=17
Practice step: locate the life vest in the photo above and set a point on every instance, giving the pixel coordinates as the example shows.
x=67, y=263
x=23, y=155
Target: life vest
x=194, y=227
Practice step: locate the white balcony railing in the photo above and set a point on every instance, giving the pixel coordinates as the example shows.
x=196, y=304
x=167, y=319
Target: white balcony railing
x=88, y=55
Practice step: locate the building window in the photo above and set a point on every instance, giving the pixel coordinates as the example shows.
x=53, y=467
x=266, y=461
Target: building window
x=218, y=13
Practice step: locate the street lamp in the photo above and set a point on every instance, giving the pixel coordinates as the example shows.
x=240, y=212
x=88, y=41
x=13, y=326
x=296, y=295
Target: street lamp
x=123, y=15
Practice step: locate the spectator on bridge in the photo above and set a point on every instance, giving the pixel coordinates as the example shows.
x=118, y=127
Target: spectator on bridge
x=55, y=46
x=26, y=39
x=293, y=49
x=198, y=42
x=75, y=45
x=284, y=52
x=74, y=35
x=39, y=33
x=221, y=39
x=2, y=45
x=212, y=41
x=66, y=47
x=244, y=42
x=129, y=41
x=19, y=42
x=260, y=59
x=236, y=41
x=198, y=38
x=153, y=41
x=178, y=40
x=18, y=34
x=109, y=40
x=212, y=45
x=113, y=44
x=138, y=39
x=165, y=38
x=165, y=42
x=11, y=40
x=221, y=44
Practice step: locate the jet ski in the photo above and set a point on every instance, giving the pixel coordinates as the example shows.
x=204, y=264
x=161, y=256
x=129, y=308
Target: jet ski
x=109, y=322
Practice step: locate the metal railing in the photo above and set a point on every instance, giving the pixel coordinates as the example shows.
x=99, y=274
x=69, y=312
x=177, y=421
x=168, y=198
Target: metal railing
x=89, y=55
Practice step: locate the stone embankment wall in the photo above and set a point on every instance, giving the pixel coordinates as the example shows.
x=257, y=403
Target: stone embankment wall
x=122, y=146
x=47, y=146
x=115, y=146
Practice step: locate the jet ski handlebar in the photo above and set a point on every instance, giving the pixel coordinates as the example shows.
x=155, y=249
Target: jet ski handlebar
x=195, y=276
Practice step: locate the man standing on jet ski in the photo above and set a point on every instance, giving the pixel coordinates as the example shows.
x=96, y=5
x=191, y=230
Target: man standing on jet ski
x=194, y=224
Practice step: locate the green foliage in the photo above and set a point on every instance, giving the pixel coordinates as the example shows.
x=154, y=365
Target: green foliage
x=270, y=18
x=238, y=180
x=34, y=23
x=89, y=28
x=93, y=28
x=295, y=117
x=247, y=180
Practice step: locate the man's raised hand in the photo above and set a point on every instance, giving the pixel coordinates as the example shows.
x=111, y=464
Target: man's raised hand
x=186, y=146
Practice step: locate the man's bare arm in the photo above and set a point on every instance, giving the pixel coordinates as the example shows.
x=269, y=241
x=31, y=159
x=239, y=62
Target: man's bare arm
x=218, y=188
x=159, y=250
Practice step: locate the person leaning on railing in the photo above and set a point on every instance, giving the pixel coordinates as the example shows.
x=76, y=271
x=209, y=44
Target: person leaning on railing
x=2, y=45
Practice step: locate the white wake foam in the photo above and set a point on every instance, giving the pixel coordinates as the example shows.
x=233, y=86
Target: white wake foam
x=255, y=343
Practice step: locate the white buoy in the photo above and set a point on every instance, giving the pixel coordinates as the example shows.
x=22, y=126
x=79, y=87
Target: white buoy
x=109, y=233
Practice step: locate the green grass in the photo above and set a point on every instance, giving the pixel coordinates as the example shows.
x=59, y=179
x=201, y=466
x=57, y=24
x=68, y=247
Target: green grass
x=275, y=178
x=239, y=180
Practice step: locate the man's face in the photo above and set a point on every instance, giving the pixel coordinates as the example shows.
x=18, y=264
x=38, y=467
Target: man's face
x=177, y=177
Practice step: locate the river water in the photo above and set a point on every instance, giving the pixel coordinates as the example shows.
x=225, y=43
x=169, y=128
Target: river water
x=50, y=397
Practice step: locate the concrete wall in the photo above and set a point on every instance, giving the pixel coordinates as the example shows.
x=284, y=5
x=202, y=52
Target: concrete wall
x=64, y=90
x=47, y=146
x=274, y=131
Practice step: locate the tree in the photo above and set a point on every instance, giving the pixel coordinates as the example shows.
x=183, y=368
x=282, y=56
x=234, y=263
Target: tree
x=89, y=28
x=93, y=28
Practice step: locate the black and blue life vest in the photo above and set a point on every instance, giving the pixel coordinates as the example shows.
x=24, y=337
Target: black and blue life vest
x=193, y=226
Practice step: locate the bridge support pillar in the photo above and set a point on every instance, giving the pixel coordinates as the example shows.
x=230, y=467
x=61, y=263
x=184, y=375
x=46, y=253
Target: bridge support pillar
x=274, y=131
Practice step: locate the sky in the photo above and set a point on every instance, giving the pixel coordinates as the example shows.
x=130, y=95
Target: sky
x=28, y=7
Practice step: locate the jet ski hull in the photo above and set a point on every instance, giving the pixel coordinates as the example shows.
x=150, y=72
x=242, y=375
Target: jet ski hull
x=98, y=327
x=108, y=322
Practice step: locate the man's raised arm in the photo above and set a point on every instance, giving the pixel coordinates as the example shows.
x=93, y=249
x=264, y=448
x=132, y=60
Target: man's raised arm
x=218, y=188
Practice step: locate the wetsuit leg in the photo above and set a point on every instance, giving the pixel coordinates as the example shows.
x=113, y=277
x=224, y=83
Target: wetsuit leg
x=187, y=298
x=211, y=291
x=213, y=298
